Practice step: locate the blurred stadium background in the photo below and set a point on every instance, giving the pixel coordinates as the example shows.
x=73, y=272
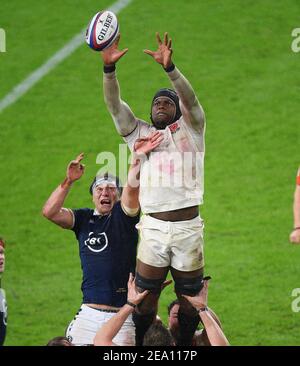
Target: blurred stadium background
x=237, y=55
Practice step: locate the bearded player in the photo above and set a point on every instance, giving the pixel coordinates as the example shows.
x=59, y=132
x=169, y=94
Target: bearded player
x=171, y=229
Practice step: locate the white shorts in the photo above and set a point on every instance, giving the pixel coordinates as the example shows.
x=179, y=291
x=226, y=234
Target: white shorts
x=177, y=244
x=83, y=328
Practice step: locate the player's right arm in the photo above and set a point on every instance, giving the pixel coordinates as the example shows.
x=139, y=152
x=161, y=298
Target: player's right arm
x=122, y=115
x=53, y=209
x=214, y=332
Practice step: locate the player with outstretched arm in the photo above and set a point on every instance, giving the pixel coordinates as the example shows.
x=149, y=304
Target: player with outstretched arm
x=171, y=188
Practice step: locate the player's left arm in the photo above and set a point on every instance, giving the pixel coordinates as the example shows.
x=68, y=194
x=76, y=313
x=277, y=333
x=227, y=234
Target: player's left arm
x=142, y=147
x=190, y=107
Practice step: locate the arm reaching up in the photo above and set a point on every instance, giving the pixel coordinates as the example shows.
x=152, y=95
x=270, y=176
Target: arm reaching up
x=190, y=107
x=214, y=332
x=121, y=113
x=110, y=329
x=142, y=147
x=53, y=209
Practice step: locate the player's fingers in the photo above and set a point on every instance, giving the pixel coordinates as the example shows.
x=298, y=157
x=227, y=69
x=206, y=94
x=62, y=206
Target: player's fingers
x=156, y=143
x=156, y=133
x=148, y=52
x=131, y=278
x=122, y=53
x=79, y=157
x=73, y=164
x=170, y=44
x=186, y=297
x=151, y=134
x=144, y=294
x=117, y=40
x=158, y=38
x=205, y=285
x=166, y=283
x=155, y=136
x=166, y=38
x=154, y=146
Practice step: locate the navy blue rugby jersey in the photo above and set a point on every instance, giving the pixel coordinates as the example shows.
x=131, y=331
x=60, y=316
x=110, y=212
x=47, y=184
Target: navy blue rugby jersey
x=107, y=249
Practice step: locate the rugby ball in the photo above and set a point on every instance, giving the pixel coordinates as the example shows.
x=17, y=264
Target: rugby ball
x=102, y=30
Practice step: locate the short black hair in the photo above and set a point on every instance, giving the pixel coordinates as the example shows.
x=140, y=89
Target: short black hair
x=59, y=341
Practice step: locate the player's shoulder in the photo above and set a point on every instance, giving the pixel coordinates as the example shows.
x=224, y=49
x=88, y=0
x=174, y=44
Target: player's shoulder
x=81, y=215
x=85, y=211
x=144, y=126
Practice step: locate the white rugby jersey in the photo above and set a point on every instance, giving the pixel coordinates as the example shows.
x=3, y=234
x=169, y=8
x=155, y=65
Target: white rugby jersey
x=172, y=177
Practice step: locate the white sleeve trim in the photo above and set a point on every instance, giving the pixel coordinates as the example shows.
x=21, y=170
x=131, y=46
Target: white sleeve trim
x=132, y=212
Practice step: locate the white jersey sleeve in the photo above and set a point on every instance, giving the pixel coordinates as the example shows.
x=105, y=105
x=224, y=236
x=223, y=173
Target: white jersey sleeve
x=123, y=117
x=191, y=109
x=142, y=129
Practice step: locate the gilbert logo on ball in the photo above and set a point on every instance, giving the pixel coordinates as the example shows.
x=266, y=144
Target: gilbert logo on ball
x=102, y=30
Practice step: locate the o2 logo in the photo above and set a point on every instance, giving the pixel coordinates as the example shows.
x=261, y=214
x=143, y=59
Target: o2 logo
x=96, y=242
x=296, y=302
x=295, y=46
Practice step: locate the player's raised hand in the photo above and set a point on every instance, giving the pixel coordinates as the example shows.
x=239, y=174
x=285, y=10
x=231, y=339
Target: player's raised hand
x=200, y=300
x=144, y=145
x=112, y=54
x=133, y=295
x=164, y=52
x=295, y=236
x=75, y=169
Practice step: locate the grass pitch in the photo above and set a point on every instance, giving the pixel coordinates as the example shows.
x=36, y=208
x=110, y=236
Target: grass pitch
x=237, y=55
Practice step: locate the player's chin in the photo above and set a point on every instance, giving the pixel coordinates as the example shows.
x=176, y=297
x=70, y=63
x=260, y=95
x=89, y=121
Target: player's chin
x=105, y=208
x=161, y=124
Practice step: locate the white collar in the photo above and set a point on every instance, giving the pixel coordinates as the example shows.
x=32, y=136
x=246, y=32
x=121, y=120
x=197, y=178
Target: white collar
x=97, y=213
